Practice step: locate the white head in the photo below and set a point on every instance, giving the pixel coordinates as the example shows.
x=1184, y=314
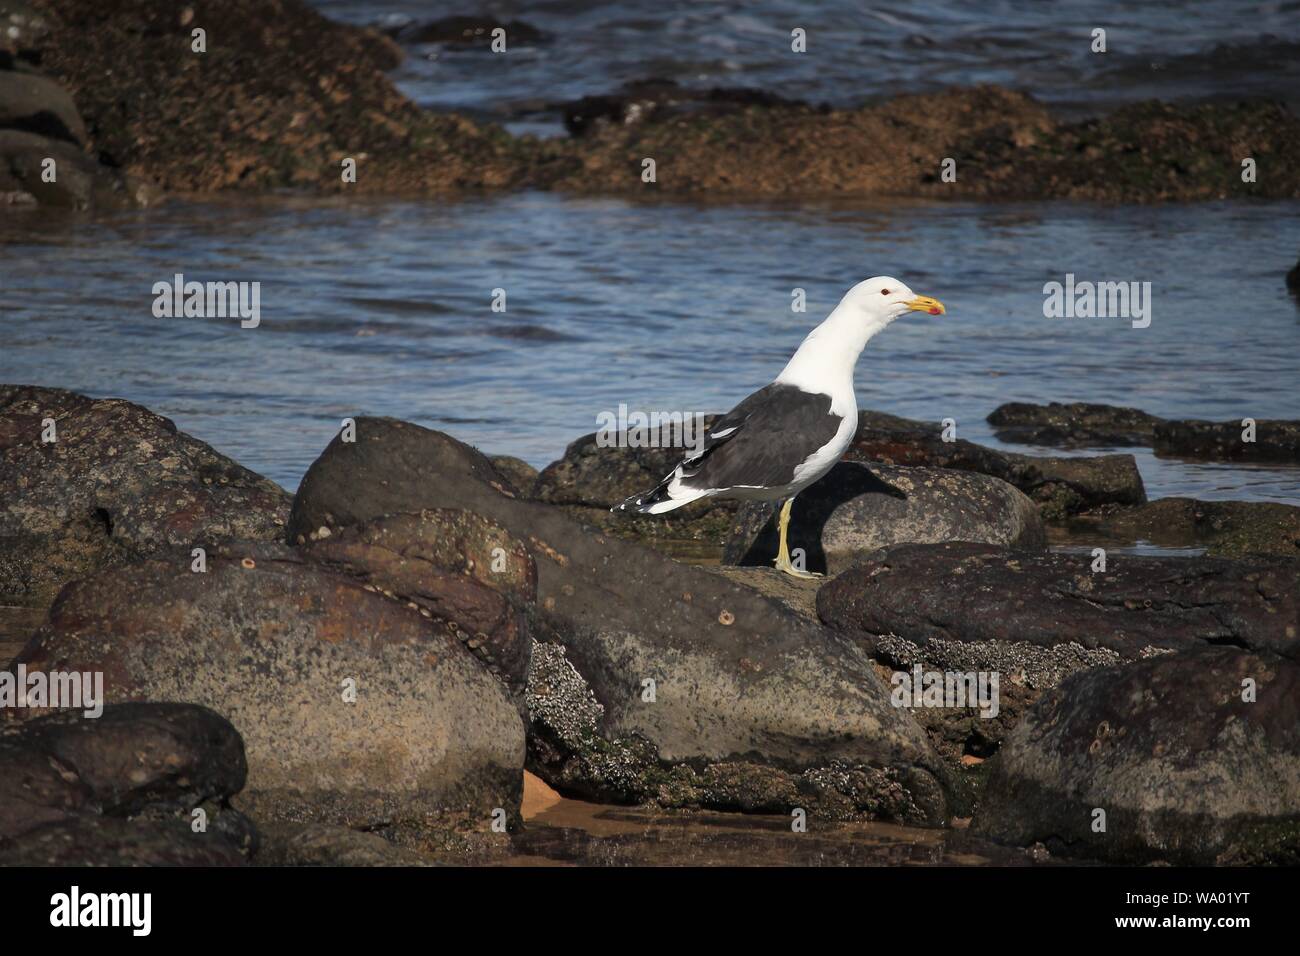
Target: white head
x=883, y=299
x=831, y=350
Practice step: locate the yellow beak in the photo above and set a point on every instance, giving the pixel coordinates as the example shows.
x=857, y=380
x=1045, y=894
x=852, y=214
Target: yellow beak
x=923, y=303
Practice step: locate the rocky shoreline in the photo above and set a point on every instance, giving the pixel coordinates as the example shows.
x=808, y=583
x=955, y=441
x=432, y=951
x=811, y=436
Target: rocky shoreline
x=280, y=97
x=361, y=673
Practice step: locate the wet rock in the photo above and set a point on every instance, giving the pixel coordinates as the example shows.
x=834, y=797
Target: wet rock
x=1080, y=424
x=80, y=182
x=1144, y=152
x=1005, y=143
x=856, y=509
x=739, y=683
x=1194, y=758
x=317, y=91
x=354, y=708
x=36, y=104
x=594, y=476
x=463, y=31
x=1073, y=425
x=1223, y=528
x=117, y=482
x=639, y=101
x=1062, y=486
x=320, y=844
x=1273, y=440
x=453, y=565
x=950, y=596
x=1293, y=280
x=800, y=150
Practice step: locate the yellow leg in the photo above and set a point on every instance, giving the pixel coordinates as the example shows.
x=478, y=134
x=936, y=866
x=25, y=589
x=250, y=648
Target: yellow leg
x=783, y=552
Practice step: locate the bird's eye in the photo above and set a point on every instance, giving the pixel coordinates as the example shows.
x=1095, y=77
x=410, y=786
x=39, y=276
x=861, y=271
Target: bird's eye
x=884, y=292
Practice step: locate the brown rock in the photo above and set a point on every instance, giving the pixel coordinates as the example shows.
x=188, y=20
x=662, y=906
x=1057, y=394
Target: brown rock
x=1062, y=486
x=1274, y=440
x=1072, y=425
x=280, y=98
x=118, y=482
x=456, y=566
x=857, y=508
x=733, y=673
x=1194, y=759
x=1224, y=528
x=354, y=708
x=959, y=595
x=122, y=788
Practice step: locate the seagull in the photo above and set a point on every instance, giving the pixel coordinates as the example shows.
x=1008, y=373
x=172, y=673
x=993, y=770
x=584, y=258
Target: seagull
x=788, y=434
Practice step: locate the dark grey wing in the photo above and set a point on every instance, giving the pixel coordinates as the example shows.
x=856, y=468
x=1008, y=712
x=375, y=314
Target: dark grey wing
x=760, y=442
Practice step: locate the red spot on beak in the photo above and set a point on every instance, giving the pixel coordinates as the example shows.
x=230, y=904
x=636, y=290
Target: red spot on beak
x=934, y=312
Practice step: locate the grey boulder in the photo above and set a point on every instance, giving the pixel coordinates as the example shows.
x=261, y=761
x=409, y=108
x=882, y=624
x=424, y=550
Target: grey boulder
x=655, y=681
x=857, y=509
x=1191, y=758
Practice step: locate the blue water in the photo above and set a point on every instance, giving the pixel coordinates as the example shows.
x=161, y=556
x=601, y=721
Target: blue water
x=855, y=52
x=384, y=308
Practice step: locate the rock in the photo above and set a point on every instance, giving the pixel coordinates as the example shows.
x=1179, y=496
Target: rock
x=1034, y=619
x=572, y=749
x=752, y=705
x=36, y=104
x=462, y=31
x=320, y=844
x=120, y=789
x=958, y=599
x=794, y=149
x=81, y=183
x=354, y=708
x=1224, y=528
x=638, y=101
x=521, y=475
x=1143, y=152
x=1073, y=425
x=1062, y=486
x=1080, y=425
x=1274, y=440
x=1293, y=279
x=856, y=509
x=593, y=477
x=119, y=482
x=111, y=841
x=453, y=565
x=131, y=758
x=317, y=88
x=797, y=594
x=1185, y=770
